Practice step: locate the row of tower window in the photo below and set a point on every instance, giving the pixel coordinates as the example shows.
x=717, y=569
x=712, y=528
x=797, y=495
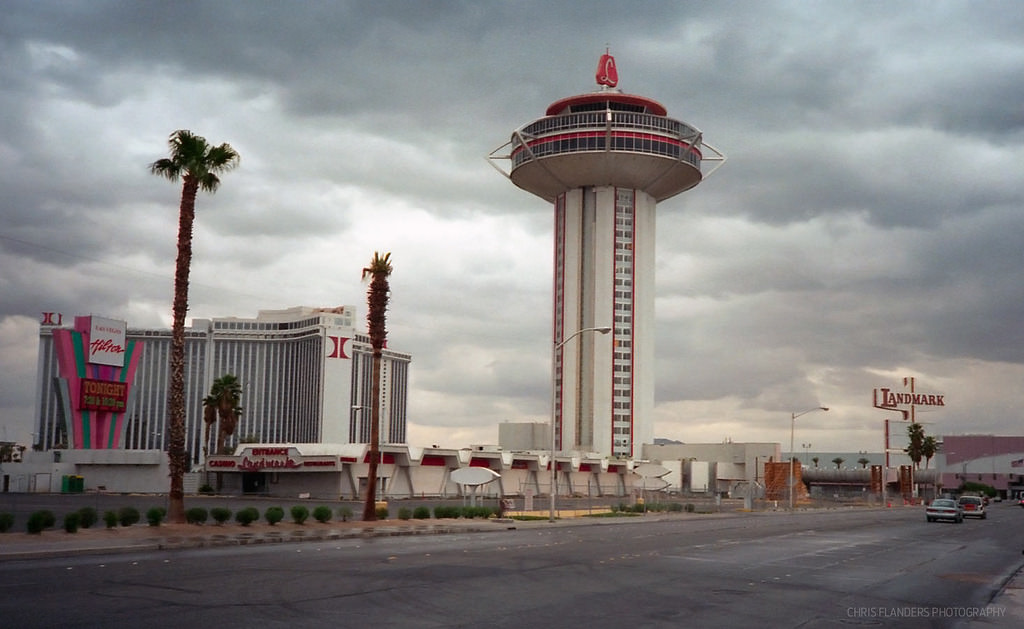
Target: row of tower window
x=619, y=120
x=545, y=147
x=265, y=325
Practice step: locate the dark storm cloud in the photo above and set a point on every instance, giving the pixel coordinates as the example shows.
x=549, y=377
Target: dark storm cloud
x=866, y=224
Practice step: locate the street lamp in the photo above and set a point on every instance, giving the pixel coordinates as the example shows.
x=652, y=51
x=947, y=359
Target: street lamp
x=806, y=447
x=554, y=403
x=792, y=429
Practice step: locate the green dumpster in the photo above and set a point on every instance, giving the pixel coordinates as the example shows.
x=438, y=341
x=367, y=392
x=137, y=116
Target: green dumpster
x=77, y=484
x=65, y=484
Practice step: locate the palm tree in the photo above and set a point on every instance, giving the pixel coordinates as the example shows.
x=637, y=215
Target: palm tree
x=838, y=461
x=222, y=402
x=863, y=462
x=929, y=448
x=376, y=318
x=915, y=435
x=197, y=164
x=815, y=459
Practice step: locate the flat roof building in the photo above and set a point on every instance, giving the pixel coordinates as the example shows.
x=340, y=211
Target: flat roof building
x=305, y=375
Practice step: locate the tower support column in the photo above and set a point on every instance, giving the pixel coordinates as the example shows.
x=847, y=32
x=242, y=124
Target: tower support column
x=604, y=272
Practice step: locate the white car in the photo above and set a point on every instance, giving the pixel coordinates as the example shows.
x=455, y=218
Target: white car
x=973, y=506
x=944, y=509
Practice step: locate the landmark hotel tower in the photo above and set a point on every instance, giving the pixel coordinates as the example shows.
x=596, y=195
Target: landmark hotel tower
x=604, y=160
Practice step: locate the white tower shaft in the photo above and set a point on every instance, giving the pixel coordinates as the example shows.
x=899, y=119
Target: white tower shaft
x=604, y=273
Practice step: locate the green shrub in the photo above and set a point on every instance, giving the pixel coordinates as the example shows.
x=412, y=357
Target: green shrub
x=49, y=520
x=421, y=513
x=675, y=507
x=690, y=508
x=300, y=514
x=322, y=514
x=196, y=515
x=345, y=513
x=206, y=489
x=110, y=519
x=405, y=513
x=382, y=513
x=273, y=515
x=476, y=512
x=441, y=512
x=247, y=516
x=128, y=516
x=87, y=517
x=37, y=522
x=155, y=515
x=220, y=515
x=71, y=522
x=6, y=521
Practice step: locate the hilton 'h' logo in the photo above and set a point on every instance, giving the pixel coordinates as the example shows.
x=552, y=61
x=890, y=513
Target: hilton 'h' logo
x=338, y=347
x=52, y=318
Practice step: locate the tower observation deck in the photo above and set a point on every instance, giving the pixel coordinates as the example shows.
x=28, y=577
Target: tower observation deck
x=605, y=159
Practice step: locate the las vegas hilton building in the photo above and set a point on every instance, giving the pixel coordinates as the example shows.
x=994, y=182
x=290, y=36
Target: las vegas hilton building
x=305, y=375
x=604, y=160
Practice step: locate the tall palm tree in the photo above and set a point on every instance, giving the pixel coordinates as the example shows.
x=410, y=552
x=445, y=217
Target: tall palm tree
x=222, y=403
x=915, y=437
x=197, y=164
x=930, y=446
x=376, y=318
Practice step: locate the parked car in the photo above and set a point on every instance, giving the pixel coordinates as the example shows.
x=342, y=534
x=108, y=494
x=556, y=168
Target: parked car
x=944, y=509
x=973, y=507
x=1020, y=501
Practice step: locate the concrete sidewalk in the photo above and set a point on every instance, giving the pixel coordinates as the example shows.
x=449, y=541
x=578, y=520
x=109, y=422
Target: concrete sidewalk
x=1006, y=608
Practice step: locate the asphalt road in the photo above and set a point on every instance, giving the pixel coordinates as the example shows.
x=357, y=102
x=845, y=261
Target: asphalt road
x=869, y=567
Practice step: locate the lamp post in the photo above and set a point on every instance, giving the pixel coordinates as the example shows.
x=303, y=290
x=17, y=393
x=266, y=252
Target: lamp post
x=792, y=430
x=806, y=447
x=554, y=404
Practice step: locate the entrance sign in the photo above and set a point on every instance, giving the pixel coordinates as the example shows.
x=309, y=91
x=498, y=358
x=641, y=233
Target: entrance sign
x=905, y=402
x=107, y=341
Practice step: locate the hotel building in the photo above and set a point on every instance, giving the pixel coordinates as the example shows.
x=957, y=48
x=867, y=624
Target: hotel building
x=305, y=375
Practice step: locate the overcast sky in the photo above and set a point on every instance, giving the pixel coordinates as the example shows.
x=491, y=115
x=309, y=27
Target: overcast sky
x=866, y=227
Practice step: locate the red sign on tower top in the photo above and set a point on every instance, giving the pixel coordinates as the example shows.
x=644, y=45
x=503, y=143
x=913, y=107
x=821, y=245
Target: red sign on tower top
x=606, y=72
